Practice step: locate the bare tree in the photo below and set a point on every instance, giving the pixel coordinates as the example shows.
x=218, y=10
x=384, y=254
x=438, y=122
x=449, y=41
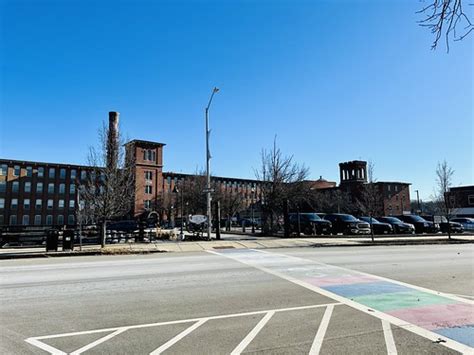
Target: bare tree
x=370, y=201
x=283, y=182
x=446, y=18
x=444, y=176
x=231, y=200
x=108, y=192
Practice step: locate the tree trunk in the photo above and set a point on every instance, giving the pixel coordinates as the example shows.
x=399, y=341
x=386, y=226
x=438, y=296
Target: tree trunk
x=103, y=232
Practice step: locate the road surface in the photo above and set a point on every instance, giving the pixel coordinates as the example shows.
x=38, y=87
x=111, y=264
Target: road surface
x=357, y=300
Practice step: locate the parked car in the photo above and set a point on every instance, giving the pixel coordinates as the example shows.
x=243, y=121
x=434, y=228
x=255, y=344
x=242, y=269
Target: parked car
x=378, y=227
x=456, y=227
x=421, y=224
x=347, y=224
x=467, y=223
x=398, y=226
x=310, y=224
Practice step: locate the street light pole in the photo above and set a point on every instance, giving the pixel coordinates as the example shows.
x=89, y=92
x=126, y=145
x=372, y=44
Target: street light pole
x=208, y=167
x=253, y=202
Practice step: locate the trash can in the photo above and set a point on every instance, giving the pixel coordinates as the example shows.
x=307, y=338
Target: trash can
x=52, y=237
x=68, y=239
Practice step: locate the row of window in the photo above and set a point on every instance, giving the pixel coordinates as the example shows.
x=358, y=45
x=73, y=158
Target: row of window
x=38, y=220
x=38, y=204
x=39, y=187
x=40, y=172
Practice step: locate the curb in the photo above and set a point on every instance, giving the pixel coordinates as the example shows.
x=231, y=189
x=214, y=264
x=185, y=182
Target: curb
x=126, y=251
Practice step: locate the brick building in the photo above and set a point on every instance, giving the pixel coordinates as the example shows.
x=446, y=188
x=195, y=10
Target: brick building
x=37, y=193
x=394, y=196
x=461, y=199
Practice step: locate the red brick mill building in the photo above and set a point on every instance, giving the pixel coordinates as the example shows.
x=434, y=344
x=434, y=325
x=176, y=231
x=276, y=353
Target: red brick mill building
x=40, y=193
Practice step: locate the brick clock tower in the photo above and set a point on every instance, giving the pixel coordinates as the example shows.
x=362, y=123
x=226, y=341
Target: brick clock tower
x=148, y=159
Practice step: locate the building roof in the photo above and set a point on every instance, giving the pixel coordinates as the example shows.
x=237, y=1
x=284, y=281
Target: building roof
x=170, y=173
x=393, y=182
x=29, y=162
x=139, y=141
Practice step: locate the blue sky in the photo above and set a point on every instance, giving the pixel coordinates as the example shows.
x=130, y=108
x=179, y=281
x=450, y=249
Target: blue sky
x=333, y=80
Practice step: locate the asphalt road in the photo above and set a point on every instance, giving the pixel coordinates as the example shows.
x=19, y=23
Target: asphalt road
x=326, y=300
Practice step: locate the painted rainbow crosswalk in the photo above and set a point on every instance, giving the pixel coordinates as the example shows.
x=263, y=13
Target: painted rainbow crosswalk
x=448, y=316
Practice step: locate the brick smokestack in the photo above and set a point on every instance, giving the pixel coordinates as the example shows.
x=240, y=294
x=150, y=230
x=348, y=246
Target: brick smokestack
x=112, y=140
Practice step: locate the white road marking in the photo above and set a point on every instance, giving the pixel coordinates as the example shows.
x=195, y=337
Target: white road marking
x=387, y=333
x=178, y=337
x=318, y=339
x=45, y=347
x=250, y=336
x=98, y=341
x=36, y=340
x=448, y=342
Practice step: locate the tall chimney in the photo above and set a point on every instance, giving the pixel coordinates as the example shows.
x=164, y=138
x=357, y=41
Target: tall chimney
x=112, y=140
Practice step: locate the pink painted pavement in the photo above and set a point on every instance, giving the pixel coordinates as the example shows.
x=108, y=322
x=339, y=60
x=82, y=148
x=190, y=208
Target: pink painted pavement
x=437, y=316
x=344, y=280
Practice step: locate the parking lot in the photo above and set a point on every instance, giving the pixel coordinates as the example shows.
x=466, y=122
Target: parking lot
x=242, y=301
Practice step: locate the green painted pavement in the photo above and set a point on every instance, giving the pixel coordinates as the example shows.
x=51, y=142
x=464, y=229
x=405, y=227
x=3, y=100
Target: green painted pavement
x=399, y=300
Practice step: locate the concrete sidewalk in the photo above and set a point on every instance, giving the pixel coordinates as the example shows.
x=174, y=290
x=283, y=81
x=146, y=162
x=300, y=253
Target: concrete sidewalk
x=229, y=241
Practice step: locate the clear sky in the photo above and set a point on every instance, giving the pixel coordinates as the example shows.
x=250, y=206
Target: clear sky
x=333, y=80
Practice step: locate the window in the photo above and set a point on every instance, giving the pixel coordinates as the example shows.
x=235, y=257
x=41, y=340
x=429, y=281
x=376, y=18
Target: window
x=3, y=170
x=26, y=220
x=50, y=204
x=396, y=187
x=2, y=219
x=470, y=200
x=29, y=171
x=14, y=204
x=49, y=220
x=83, y=174
x=147, y=204
x=72, y=189
x=70, y=219
x=73, y=174
x=2, y=203
x=15, y=186
x=3, y=186
x=148, y=175
x=13, y=219
x=52, y=173
x=39, y=187
x=16, y=170
x=41, y=172
x=388, y=187
x=37, y=220
x=27, y=186
x=61, y=204
x=38, y=204
x=60, y=220
x=148, y=189
x=50, y=188
x=62, y=173
x=72, y=204
x=62, y=188
x=149, y=154
x=26, y=204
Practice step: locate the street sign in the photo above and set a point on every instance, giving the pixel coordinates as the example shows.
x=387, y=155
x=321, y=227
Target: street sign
x=208, y=190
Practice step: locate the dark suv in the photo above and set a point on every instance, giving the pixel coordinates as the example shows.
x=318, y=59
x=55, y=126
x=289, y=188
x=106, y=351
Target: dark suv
x=455, y=227
x=310, y=224
x=347, y=224
x=421, y=224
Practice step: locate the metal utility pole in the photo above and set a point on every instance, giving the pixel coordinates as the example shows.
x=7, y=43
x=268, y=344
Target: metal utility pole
x=208, y=167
